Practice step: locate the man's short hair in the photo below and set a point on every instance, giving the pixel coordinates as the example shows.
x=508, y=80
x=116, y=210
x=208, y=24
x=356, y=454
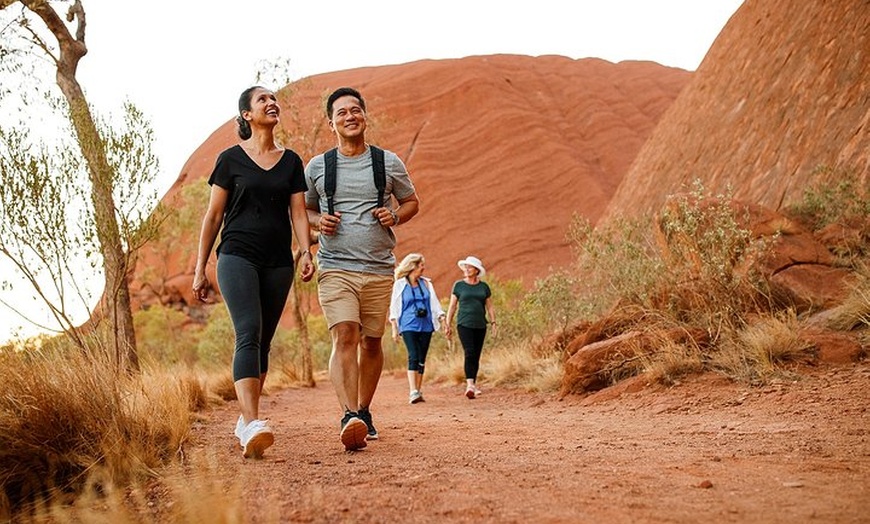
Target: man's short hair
x=340, y=92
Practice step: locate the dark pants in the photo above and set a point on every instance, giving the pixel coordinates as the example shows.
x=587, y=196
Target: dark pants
x=472, y=343
x=417, y=343
x=255, y=297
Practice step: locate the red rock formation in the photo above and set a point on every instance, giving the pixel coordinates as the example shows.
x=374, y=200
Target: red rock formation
x=503, y=149
x=785, y=88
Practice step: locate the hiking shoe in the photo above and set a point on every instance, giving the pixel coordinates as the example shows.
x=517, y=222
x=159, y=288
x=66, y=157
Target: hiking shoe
x=366, y=416
x=256, y=437
x=353, y=431
x=470, y=393
x=416, y=396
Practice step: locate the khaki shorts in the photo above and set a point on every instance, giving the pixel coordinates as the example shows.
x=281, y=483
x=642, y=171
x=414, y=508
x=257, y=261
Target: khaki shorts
x=363, y=298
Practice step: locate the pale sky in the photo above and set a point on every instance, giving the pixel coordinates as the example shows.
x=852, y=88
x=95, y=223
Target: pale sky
x=184, y=62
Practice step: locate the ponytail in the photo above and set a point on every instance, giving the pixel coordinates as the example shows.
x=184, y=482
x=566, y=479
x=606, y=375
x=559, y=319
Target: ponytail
x=244, y=128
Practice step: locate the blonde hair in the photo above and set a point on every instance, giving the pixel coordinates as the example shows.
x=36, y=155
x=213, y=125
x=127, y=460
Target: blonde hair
x=408, y=264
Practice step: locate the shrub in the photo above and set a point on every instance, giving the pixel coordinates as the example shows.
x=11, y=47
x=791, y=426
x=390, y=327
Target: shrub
x=826, y=203
x=215, y=345
x=165, y=336
x=709, y=258
x=694, y=270
x=615, y=262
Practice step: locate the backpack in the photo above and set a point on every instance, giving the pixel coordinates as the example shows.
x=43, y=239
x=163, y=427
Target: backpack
x=380, y=170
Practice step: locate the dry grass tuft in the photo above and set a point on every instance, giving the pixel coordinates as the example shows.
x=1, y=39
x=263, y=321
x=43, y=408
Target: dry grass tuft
x=191, y=494
x=221, y=383
x=672, y=361
x=71, y=422
x=854, y=312
x=759, y=350
x=517, y=366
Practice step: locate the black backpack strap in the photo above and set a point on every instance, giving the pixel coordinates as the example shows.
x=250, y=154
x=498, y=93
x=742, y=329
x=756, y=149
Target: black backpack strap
x=330, y=158
x=380, y=169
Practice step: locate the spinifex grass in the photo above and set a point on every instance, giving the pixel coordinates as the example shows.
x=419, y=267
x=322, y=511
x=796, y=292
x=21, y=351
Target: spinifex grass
x=73, y=421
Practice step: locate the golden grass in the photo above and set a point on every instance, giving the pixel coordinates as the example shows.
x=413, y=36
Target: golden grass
x=72, y=422
x=854, y=312
x=517, y=366
x=502, y=363
x=193, y=493
x=760, y=350
x=672, y=361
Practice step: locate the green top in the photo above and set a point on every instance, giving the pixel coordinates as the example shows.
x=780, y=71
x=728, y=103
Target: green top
x=472, y=303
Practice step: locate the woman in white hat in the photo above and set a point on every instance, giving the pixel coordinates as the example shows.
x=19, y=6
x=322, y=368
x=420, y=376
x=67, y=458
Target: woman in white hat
x=415, y=313
x=471, y=302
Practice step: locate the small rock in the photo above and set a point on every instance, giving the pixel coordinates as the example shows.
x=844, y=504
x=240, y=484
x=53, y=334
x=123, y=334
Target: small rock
x=705, y=484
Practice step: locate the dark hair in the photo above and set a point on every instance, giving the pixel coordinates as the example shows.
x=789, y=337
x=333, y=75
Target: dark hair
x=340, y=92
x=245, y=105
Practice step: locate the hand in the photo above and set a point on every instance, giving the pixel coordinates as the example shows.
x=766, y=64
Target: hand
x=329, y=223
x=307, y=268
x=384, y=216
x=200, y=286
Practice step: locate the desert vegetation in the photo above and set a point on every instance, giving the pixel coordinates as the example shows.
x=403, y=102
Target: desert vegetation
x=683, y=292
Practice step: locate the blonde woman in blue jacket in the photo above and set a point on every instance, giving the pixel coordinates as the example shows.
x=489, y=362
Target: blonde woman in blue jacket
x=415, y=313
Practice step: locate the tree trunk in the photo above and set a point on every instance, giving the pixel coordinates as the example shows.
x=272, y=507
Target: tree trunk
x=116, y=306
x=302, y=326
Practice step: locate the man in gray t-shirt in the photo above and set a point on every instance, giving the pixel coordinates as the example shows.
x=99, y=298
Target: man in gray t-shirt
x=355, y=259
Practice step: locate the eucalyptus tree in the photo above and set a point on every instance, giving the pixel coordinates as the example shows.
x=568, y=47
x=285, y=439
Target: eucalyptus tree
x=43, y=191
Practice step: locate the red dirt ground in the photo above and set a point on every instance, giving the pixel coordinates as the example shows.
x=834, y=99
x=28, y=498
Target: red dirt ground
x=705, y=450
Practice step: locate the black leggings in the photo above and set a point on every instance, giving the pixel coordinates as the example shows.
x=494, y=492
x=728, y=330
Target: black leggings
x=472, y=343
x=417, y=343
x=255, y=297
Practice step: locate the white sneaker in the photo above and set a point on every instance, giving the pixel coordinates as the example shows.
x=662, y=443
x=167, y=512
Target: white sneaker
x=256, y=437
x=416, y=396
x=240, y=426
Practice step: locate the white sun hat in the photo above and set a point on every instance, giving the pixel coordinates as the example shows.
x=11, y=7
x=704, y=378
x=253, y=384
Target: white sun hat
x=473, y=262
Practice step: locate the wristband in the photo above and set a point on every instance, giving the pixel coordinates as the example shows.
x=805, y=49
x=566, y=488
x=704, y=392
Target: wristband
x=395, y=217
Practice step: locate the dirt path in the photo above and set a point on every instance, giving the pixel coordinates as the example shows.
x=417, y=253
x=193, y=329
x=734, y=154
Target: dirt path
x=703, y=451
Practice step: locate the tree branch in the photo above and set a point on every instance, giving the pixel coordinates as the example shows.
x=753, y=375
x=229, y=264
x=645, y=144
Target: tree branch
x=71, y=49
x=77, y=10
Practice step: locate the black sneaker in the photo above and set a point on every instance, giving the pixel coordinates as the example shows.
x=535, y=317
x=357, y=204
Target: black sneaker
x=353, y=431
x=366, y=417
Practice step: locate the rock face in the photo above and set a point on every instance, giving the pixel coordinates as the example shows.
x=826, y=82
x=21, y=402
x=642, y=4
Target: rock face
x=783, y=90
x=503, y=150
x=506, y=149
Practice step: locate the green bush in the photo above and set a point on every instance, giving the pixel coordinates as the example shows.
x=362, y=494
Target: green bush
x=215, y=344
x=615, y=262
x=165, y=336
x=825, y=203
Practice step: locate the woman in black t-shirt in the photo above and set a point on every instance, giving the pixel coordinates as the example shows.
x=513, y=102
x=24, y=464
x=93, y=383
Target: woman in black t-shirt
x=253, y=185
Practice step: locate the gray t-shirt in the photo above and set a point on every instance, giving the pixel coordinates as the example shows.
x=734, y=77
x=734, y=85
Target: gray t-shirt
x=360, y=244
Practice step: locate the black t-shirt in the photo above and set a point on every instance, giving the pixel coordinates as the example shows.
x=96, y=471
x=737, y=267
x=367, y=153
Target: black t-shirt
x=257, y=217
